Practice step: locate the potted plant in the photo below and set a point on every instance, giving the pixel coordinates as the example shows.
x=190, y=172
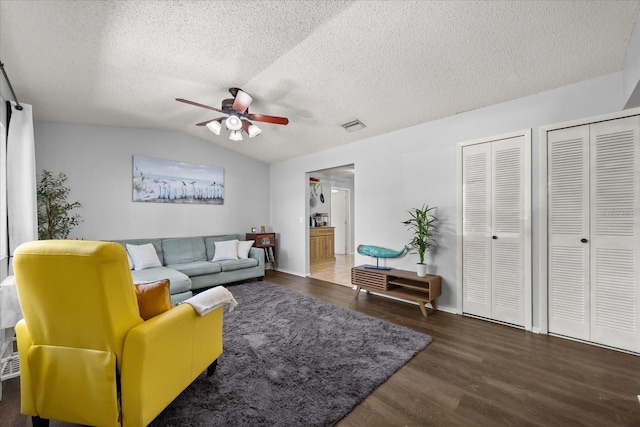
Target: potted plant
x=54, y=219
x=423, y=225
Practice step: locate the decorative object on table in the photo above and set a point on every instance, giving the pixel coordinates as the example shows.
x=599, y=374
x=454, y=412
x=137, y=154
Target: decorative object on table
x=167, y=181
x=288, y=377
x=378, y=252
x=263, y=229
x=253, y=229
x=423, y=225
x=237, y=110
x=54, y=218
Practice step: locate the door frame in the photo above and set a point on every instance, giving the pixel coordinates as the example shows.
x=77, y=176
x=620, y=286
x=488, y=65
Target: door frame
x=543, y=282
x=528, y=301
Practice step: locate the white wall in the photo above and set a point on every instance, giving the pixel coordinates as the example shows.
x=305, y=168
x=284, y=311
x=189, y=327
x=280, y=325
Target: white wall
x=631, y=70
x=404, y=169
x=98, y=163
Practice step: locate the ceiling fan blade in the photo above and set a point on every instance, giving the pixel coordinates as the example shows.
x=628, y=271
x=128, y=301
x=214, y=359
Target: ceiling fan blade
x=268, y=119
x=245, y=126
x=242, y=101
x=219, y=119
x=186, y=101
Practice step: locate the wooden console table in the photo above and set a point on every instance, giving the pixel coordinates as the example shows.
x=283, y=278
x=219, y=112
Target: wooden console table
x=401, y=284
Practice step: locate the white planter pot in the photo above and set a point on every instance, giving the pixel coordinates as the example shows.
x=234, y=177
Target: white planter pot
x=421, y=269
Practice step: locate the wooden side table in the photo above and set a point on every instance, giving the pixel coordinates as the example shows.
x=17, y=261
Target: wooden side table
x=401, y=284
x=266, y=241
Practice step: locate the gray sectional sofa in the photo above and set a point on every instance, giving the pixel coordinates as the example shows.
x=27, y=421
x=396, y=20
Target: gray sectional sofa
x=186, y=262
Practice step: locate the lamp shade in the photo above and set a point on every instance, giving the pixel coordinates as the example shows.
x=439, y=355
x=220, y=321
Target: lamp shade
x=236, y=135
x=254, y=131
x=233, y=123
x=214, y=127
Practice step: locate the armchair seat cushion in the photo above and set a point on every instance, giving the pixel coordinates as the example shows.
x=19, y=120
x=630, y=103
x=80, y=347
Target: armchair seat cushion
x=178, y=282
x=197, y=268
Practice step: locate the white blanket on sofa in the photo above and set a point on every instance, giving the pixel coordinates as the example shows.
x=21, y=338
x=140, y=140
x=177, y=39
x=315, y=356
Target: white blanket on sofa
x=207, y=301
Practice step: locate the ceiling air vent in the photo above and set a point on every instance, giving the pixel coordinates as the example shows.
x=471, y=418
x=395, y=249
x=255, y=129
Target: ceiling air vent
x=353, y=125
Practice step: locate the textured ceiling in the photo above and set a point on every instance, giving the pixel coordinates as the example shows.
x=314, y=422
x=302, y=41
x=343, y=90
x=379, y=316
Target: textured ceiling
x=391, y=64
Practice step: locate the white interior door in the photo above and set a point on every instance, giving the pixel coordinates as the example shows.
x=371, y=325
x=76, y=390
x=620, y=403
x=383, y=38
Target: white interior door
x=496, y=233
x=339, y=218
x=615, y=236
x=508, y=237
x=568, y=231
x=476, y=229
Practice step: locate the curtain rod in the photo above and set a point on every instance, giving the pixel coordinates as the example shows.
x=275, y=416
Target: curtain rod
x=18, y=106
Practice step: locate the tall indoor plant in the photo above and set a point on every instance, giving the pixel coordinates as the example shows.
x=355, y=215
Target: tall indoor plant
x=54, y=218
x=423, y=225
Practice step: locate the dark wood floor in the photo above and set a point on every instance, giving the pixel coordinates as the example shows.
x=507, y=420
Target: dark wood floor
x=474, y=373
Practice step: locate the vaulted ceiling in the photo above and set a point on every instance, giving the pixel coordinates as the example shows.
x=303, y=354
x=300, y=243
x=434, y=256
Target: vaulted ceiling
x=391, y=64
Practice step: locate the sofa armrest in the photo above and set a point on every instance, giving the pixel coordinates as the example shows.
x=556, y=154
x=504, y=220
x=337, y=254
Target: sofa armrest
x=162, y=356
x=257, y=253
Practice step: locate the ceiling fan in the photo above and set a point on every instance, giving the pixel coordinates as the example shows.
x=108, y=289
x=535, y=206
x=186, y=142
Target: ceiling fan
x=237, y=110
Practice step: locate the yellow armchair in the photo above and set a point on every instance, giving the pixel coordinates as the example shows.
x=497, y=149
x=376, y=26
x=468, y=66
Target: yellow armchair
x=86, y=355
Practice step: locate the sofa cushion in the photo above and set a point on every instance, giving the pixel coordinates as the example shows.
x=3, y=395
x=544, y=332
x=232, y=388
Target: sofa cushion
x=236, y=264
x=143, y=256
x=183, y=250
x=178, y=282
x=209, y=242
x=244, y=247
x=157, y=244
x=196, y=268
x=225, y=250
x=153, y=298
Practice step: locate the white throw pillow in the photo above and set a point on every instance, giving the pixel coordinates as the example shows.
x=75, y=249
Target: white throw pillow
x=243, y=249
x=143, y=256
x=227, y=249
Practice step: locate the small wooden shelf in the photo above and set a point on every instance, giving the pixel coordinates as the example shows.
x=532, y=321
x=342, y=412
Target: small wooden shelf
x=398, y=283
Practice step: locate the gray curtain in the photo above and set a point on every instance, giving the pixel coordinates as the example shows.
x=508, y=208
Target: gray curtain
x=18, y=208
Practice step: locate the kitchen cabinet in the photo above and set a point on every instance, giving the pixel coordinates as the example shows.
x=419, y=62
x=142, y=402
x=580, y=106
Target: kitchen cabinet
x=321, y=244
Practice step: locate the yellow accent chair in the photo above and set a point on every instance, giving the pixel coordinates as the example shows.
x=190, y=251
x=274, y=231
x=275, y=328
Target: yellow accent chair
x=86, y=355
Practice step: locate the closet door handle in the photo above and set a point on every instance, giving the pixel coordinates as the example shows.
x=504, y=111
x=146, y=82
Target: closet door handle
x=494, y=237
x=584, y=240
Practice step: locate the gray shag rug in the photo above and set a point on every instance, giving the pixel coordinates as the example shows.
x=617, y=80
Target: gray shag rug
x=292, y=360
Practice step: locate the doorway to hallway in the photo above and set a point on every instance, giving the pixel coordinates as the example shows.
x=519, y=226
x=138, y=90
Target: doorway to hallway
x=335, y=210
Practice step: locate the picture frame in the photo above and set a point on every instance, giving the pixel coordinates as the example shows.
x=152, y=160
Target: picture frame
x=167, y=181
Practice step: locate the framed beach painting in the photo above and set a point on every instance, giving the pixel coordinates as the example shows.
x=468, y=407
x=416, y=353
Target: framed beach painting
x=168, y=181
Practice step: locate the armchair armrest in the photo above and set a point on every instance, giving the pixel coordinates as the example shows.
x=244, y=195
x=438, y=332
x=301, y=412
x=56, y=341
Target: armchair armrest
x=162, y=356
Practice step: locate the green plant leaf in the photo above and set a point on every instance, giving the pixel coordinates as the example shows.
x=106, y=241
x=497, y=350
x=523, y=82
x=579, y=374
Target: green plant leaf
x=422, y=223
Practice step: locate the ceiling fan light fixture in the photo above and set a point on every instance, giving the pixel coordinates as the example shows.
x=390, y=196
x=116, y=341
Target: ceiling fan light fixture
x=233, y=123
x=254, y=131
x=214, y=126
x=236, y=135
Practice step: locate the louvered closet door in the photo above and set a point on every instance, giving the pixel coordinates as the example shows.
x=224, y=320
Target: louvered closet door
x=615, y=236
x=568, y=228
x=507, y=296
x=493, y=230
x=476, y=246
